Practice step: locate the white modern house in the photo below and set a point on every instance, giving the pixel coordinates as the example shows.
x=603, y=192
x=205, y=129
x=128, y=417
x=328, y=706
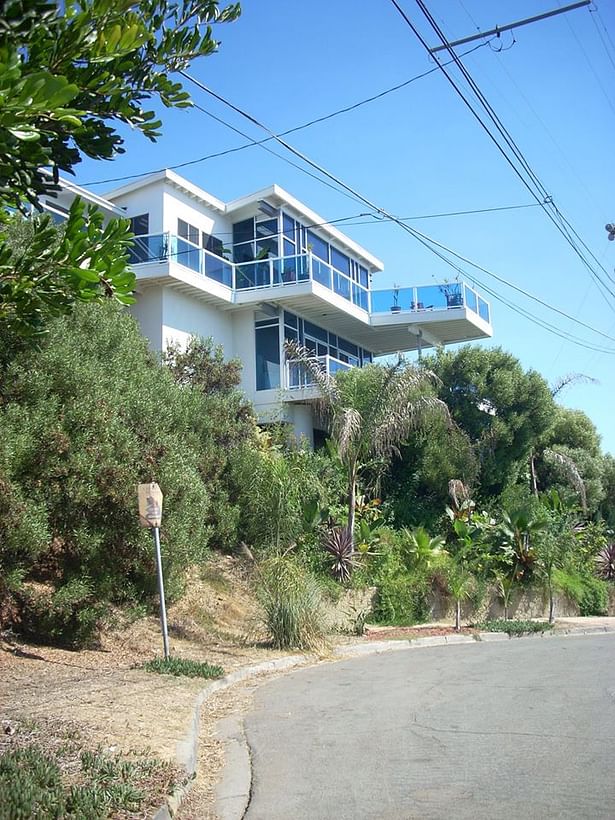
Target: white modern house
x=256, y=271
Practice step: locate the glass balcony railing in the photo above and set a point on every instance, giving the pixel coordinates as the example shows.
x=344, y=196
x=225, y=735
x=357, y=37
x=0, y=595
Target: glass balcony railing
x=297, y=375
x=261, y=273
x=447, y=296
x=292, y=270
x=165, y=246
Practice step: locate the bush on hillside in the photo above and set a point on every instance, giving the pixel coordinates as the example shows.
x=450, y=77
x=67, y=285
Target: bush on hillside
x=85, y=417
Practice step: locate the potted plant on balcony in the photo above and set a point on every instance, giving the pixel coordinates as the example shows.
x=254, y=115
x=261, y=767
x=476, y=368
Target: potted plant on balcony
x=395, y=307
x=452, y=293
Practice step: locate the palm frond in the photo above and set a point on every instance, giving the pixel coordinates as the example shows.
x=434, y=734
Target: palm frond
x=347, y=425
x=571, y=378
x=306, y=360
x=401, y=419
x=571, y=471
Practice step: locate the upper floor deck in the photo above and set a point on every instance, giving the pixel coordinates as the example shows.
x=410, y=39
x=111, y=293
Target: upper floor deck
x=269, y=247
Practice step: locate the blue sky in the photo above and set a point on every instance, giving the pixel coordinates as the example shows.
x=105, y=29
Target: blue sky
x=419, y=151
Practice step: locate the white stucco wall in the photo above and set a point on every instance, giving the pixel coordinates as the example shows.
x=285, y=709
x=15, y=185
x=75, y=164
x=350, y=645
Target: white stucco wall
x=244, y=348
x=148, y=312
x=178, y=205
x=303, y=423
x=147, y=200
x=184, y=316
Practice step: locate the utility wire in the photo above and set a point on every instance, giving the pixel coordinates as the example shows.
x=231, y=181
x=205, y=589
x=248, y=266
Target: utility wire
x=564, y=227
x=424, y=240
x=533, y=184
x=369, y=219
x=604, y=43
x=295, y=128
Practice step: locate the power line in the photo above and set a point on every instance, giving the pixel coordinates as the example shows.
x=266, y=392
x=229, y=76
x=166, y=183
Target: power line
x=369, y=219
x=594, y=14
x=533, y=184
x=315, y=121
x=424, y=240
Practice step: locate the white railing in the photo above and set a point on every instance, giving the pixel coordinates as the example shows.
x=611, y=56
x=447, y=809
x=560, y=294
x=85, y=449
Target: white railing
x=298, y=375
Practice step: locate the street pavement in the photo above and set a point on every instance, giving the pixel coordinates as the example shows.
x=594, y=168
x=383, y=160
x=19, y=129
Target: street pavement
x=517, y=729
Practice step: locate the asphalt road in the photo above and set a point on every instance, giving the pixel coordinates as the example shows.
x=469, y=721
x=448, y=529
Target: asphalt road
x=520, y=729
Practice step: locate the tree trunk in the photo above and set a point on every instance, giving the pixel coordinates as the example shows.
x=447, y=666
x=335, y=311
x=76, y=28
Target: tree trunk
x=551, y=605
x=458, y=615
x=505, y=609
x=533, y=478
x=352, y=496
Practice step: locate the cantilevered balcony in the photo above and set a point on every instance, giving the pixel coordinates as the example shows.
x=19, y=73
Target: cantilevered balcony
x=381, y=320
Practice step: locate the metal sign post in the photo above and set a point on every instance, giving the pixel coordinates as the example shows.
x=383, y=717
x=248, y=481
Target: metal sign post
x=150, y=516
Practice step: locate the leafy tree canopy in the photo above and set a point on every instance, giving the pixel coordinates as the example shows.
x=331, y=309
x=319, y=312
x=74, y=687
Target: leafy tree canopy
x=502, y=408
x=70, y=73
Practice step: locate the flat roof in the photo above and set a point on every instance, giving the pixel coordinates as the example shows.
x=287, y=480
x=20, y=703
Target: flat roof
x=315, y=220
x=271, y=192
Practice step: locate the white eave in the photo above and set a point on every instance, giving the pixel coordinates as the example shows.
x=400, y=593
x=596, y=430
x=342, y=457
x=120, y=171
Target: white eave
x=177, y=182
x=282, y=197
x=88, y=196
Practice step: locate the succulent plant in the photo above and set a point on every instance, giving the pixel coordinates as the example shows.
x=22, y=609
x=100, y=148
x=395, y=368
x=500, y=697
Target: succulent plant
x=605, y=562
x=338, y=543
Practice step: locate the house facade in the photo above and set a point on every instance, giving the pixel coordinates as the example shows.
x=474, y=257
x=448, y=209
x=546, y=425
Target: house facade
x=263, y=269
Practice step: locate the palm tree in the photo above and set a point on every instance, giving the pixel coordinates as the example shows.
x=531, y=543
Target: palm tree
x=460, y=582
x=369, y=412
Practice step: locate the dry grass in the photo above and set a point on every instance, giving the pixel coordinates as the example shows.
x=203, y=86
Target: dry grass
x=119, y=704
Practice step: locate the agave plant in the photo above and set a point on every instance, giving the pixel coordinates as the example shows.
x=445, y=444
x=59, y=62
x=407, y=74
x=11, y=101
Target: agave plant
x=605, y=562
x=338, y=543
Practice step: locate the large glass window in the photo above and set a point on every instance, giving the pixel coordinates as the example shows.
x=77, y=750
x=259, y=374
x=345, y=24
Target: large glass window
x=340, y=261
x=187, y=231
x=243, y=231
x=213, y=244
x=139, y=225
x=319, y=247
x=267, y=355
x=322, y=343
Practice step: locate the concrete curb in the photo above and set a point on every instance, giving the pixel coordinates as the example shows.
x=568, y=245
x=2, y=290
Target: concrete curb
x=233, y=792
x=187, y=750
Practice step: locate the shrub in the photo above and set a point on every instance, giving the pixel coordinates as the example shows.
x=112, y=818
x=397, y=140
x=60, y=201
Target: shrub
x=595, y=598
x=515, y=628
x=68, y=617
x=292, y=603
x=402, y=590
x=32, y=783
x=85, y=417
x=402, y=600
x=591, y=594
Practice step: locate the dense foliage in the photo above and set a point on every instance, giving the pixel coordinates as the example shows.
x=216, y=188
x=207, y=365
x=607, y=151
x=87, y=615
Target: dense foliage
x=89, y=413
x=84, y=418
x=70, y=73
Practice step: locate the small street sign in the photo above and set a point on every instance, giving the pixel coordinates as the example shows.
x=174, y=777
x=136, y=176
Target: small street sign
x=150, y=516
x=150, y=505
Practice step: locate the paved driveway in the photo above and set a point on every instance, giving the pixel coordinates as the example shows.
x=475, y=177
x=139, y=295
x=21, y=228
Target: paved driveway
x=519, y=729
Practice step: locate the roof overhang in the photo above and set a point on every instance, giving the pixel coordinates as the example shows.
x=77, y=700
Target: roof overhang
x=281, y=198
x=87, y=196
x=177, y=182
